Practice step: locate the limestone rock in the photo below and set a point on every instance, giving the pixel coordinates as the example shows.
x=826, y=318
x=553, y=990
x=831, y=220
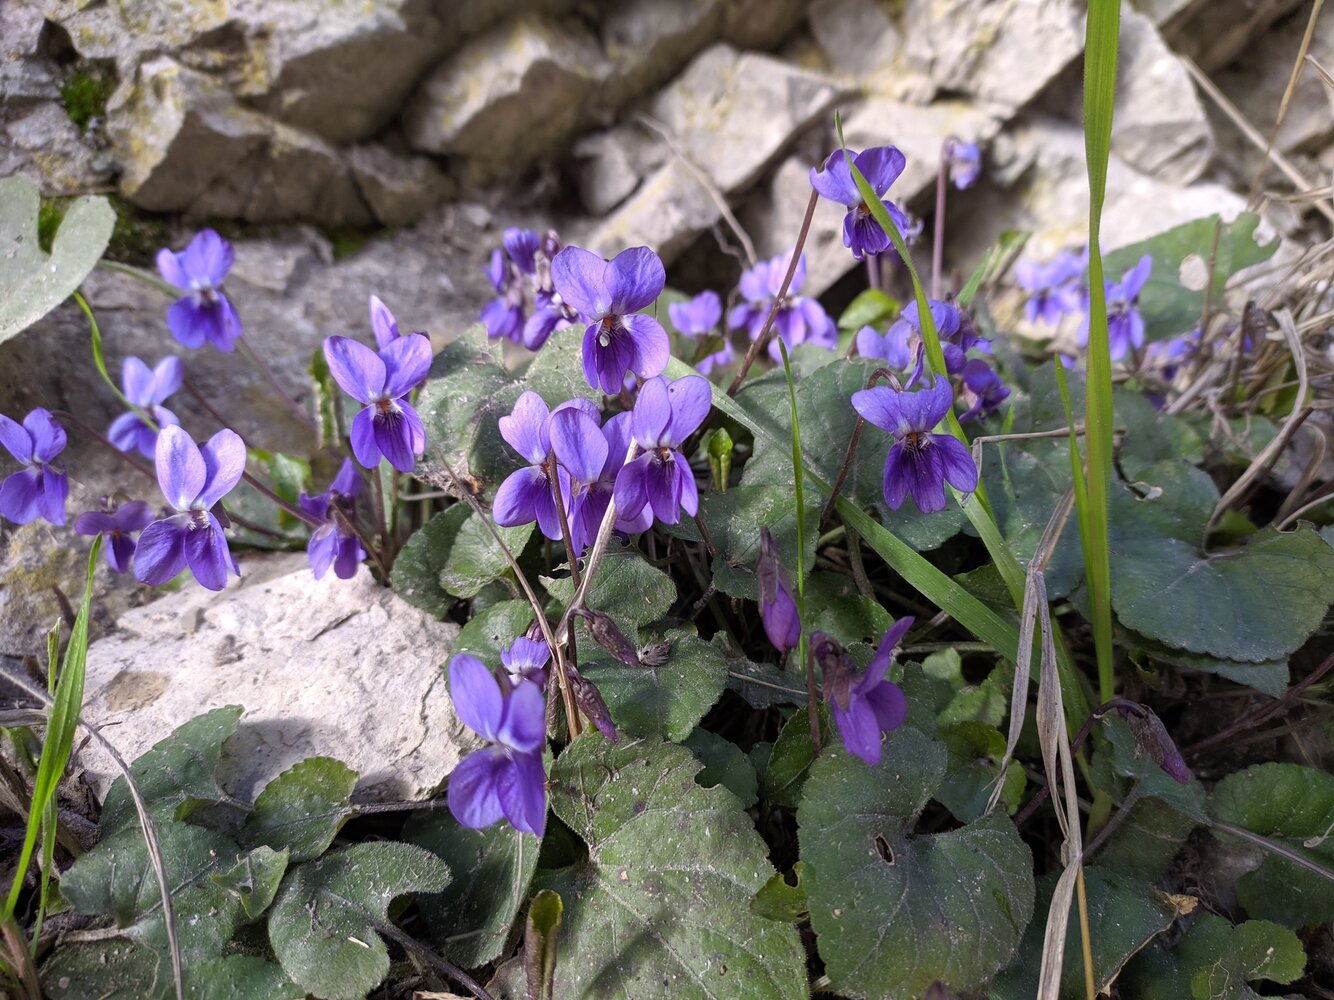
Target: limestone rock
x=857, y=37
x=650, y=40
x=184, y=144
x=732, y=114
x=760, y=24
x=509, y=96
x=398, y=189
x=1213, y=34
x=1001, y=51
x=342, y=668
x=612, y=164
x=1159, y=126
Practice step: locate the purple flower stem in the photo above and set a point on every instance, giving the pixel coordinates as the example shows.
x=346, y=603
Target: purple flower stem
x=762, y=341
x=705, y=536
x=297, y=409
x=126, y=457
x=893, y=380
x=938, y=236
x=208, y=408
x=566, y=536
x=1264, y=713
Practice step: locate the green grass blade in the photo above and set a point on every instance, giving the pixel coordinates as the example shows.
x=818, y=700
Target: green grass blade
x=59, y=742
x=1103, y=27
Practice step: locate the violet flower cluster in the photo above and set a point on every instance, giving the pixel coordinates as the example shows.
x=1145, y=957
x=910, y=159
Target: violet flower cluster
x=1055, y=289
x=698, y=319
x=527, y=308
x=799, y=320
x=1125, y=325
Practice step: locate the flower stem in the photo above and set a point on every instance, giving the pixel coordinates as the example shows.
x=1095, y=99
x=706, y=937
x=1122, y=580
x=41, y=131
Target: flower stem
x=297, y=409
x=100, y=439
x=938, y=236
x=208, y=407
x=268, y=494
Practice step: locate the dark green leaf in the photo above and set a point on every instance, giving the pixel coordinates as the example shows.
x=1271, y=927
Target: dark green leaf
x=627, y=587
x=1215, y=961
x=254, y=879
x=416, y=573
x=474, y=558
x=724, y=764
x=302, y=808
x=779, y=900
x=789, y=764
x=975, y=752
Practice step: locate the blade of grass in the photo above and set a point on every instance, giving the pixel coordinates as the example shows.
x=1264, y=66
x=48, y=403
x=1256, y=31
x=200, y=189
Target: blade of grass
x=59, y=741
x=1100, y=46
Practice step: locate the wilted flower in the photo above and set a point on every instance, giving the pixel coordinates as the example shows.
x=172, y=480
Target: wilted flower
x=868, y=706
x=525, y=495
x=660, y=477
x=1125, y=325
x=778, y=611
x=698, y=318
x=388, y=425
x=881, y=166
x=193, y=480
x=39, y=488
x=919, y=462
x=981, y=390
x=798, y=320
x=1152, y=738
x=965, y=164
x=1053, y=288
x=608, y=635
x=505, y=779
x=205, y=314
x=335, y=543
x=608, y=294
x=119, y=527
x=526, y=660
x=146, y=388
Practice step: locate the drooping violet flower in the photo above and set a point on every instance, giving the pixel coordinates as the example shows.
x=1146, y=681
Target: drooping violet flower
x=526, y=660
x=335, y=543
x=147, y=389
x=1053, y=288
x=881, y=166
x=119, y=527
x=981, y=390
x=919, y=463
x=865, y=708
x=526, y=494
x=778, y=611
x=388, y=425
x=1153, y=739
x=965, y=164
x=205, y=314
x=698, y=318
x=592, y=485
x=948, y=321
x=798, y=320
x=608, y=295
x=503, y=315
x=39, y=488
x=660, y=478
x=193, y=480
x=1125, y=325
x=506, y=779
x=521, y=246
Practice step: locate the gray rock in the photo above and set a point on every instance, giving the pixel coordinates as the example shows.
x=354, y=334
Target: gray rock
x=1000, y=51
x=1159, y=125
x=398, y=189
x=760, y=24
x=732, y=114
x=509, y=96
x=1213, y=34
x=185, y=145
x=41, y=141
x=857, y=37
x=650, y=40
x=611, y=166
x=342, y=668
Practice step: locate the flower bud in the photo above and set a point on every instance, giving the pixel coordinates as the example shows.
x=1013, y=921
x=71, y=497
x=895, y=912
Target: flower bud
x=1152, y=739
x=778, y=611
x=589, y=699
x=835, y=667
x=609, y=637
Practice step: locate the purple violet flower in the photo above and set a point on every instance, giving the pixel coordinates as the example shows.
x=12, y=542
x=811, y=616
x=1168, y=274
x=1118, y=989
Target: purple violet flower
x=965, y=164
x=388, y=425
x=659, y=477
x=919, y=463
x=146, y=388
x=778, y=611
x=897, y=346
x=521, y=246
x=799, y=320
x=503, y=315
x=39, y=488
x=119, y=526
x=981, y=390
x=334, y=543
x=205, y=314
x=383, y=324
x=881, y=166
x=574, y=435
x=870, y=706
x=193, y=480
x=526, y=660
x=608, y=295
x=697, y=318
x=1053, y=288
x=526, y=494
x=506, y=779
x=1125, y=325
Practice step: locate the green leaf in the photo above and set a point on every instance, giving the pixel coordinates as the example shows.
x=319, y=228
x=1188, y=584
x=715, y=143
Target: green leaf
x=627, y=587
x=416, y=572
x=1129, y=761
x=539, y=944
x=1151, y=435
x=494, y=629
x=254, y=879
x=240, y=977
x=1215, y=961
x=870, y=308
x=834, y=606
x=895, y=912
x=1147, y=841
x=322, y=925
x=780, y=900
x=302, y=809
x=639, y=923
x=116, y=879
x=113, y=969
x=975, y=752
x=762, y=685
x=1295, y=806
x=178, y=773
x=666, y=700
x=724, y=764
x=789, y=765
x=1256, y=604
x=1170, y=307
x=491, y=868
x=474, y=558
x=31, y=282
x=1124, y=916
